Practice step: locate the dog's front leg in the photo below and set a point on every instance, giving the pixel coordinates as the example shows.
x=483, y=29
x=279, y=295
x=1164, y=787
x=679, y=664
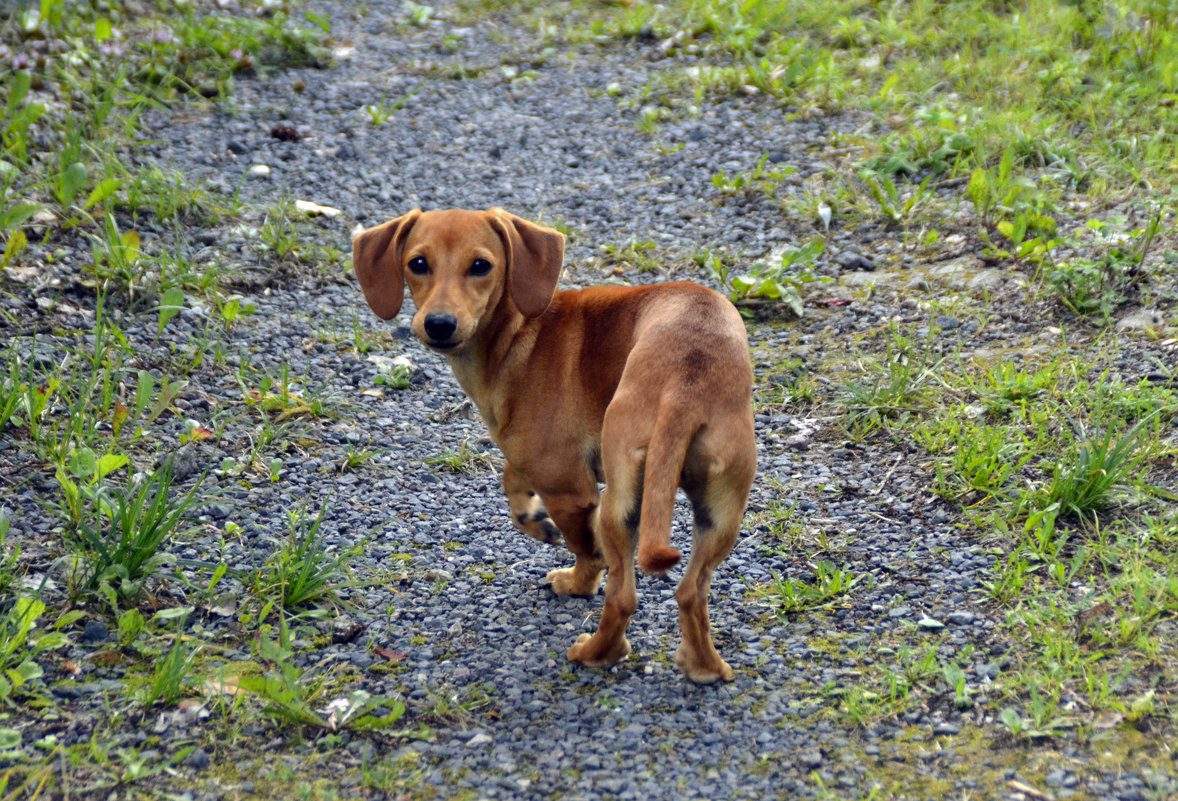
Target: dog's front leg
x=576, y=515
x=568, y=516
x=528, y=512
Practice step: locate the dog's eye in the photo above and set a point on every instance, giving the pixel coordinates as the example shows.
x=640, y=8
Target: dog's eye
x=418, y=266
x=480, y=267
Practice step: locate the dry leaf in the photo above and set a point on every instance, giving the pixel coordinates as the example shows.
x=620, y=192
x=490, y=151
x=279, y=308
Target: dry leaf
x=392, y=656
x=227, y=685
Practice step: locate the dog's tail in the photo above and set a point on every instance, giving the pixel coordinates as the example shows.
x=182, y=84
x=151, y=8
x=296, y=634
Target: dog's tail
x=669, y=441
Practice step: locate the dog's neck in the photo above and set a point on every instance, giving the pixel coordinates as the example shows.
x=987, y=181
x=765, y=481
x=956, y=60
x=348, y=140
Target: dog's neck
x=492, y=359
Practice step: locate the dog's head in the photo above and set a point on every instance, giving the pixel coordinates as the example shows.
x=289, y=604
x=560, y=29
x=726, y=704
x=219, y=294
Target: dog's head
x=458, y=265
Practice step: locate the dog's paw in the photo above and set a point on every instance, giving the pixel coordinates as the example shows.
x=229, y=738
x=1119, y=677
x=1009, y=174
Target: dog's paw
x=584, y=650
x=570, y=581
x=695, y=670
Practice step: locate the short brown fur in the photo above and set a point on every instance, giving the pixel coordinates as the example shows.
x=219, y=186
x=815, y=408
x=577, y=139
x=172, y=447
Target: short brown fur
x=649, y=387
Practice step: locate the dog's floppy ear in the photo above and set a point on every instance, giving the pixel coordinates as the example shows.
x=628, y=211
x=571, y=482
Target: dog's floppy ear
x=535, y=255
x=376, y=258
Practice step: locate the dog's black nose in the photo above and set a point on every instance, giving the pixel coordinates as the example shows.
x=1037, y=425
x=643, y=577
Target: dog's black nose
x=440, y=327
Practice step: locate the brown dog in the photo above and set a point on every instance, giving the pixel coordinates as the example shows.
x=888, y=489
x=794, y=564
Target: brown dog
x=645, y=388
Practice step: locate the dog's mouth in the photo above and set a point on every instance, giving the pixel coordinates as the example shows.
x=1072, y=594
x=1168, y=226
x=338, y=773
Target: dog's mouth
x=442, y=346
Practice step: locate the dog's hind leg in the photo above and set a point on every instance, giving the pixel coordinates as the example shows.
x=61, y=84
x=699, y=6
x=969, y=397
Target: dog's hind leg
x=618, y=542
x=719, y=501
x=623, y=460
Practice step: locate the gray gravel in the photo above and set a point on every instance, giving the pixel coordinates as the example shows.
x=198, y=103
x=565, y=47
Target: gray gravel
x=446, y=585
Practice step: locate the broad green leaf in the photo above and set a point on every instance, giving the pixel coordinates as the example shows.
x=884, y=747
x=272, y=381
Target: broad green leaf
x=102, y=29
x=172, y=613
x=743, y=283
x=978, y=190
x=18, y=90
x=72, y=180
x=1045, y=224
x=109, y=463
x=69, y=618
x=16, y=215
x=768, y=289
x=131, y=625
x=218, y=574
x=82, y=463
x=805, y=254
x=794, y=301
x=1006, y=166
x=131, y=241
x=51, y=640
x=9, y=738
x=20, y=621
x=118, y=418
x=25, y=672
x=171, y=302
x=144, y=388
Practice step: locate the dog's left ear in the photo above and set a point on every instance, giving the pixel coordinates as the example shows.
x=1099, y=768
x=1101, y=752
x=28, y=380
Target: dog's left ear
x=535, y=255
x=376, y=258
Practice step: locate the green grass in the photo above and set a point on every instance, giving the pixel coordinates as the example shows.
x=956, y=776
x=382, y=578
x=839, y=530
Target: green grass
x=956, y=82
x=778, y=282
x=633, y=254
x=790, y=596
x=21, y=645
x=1066, y=470
x=464, y=460
x=305, y=571
x=1023, y=113
x=121, y=533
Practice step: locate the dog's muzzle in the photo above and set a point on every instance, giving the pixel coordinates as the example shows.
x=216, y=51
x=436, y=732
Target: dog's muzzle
x=439, y=327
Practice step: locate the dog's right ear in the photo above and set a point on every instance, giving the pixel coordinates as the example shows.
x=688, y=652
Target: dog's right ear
x=376, y=258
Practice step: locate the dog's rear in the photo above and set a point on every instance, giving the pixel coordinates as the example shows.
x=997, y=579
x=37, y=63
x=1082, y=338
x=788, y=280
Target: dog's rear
x=647, y=387
x=681, y=416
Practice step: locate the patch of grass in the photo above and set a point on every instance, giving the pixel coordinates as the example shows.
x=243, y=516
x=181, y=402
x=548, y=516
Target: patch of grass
x=294, y=695
x=633, y=254
x=1066, y=467
x=21, y=647
x=786, y=530
x=761, y=178
x=895, y=387
x=464, y=460
x=354, y=459
x=1082, y=483
x=1100, y=284
x=121, y=534
x=173, y=674
x=981, y=461
x=287, y=246
x=9, y=559
x=305, y=571
x=776, y=283
x=829, y=582
x=283, y=398
x=890, y=206
x=956, y=82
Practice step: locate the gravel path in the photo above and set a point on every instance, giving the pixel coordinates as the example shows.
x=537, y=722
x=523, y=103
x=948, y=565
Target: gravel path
x=452, y=596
